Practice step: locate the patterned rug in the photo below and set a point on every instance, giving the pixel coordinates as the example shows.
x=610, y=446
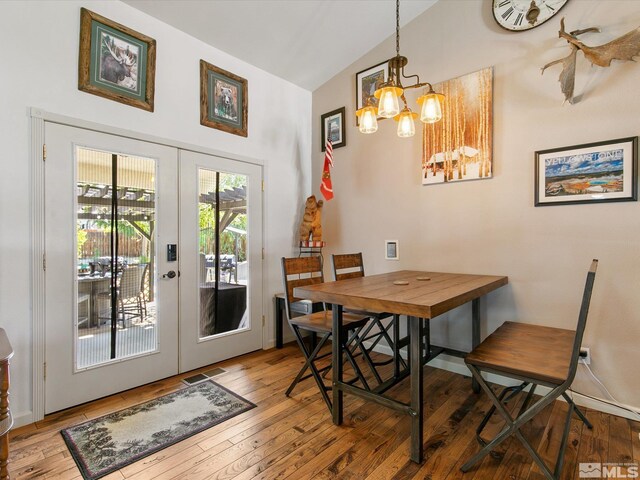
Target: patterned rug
x=105, y=444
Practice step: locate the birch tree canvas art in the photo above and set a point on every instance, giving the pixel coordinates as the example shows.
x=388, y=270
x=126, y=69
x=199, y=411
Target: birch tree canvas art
x=460, y=146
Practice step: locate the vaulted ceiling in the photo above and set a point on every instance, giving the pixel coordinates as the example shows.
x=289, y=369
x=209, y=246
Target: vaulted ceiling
x=303, y=41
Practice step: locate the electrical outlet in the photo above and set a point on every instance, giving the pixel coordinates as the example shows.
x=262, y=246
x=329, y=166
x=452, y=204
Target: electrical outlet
x=585, y=355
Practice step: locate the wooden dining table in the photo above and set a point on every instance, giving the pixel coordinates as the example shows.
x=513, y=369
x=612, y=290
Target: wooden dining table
x=421, y=296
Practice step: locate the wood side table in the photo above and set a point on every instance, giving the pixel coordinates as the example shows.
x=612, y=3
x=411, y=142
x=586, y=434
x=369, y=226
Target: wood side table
x=6, y=420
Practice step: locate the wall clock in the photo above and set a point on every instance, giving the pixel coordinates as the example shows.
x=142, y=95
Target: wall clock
x=519, y=15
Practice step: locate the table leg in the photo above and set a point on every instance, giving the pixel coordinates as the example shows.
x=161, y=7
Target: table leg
x=279, y=319
x=475, y=335
x=415, y=350
x=336, y=363
x=396, y=346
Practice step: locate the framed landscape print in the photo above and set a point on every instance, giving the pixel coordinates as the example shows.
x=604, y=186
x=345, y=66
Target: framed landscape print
x=116, y=62
x=367, y=82
x=223, y=100
x=460, y=146
x=590, y=173
x=333, y=128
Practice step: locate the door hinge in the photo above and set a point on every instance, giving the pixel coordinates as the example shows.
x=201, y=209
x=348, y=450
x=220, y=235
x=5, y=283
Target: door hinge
x=44, y=262
x=263, y=321
x=263, y=254
x=44, y=152
x=44, y=370
x=263, y=185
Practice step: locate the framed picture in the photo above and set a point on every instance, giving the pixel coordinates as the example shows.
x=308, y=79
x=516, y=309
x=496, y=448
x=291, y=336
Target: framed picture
x=367, y=82
x=460, y=147
x=116, y=62
x=589, y=173
x=391, y=250
x=223, y=100
x=333, y=128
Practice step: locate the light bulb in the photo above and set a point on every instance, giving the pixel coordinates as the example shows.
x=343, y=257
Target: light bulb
x=388, y=107
x=431, y=111
x=406, y=125
x=368, y=120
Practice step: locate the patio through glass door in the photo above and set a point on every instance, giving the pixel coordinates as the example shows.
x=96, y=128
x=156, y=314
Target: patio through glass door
x=116, y=267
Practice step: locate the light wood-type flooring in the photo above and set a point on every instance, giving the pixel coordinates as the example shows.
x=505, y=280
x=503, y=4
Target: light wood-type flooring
x=294, y=438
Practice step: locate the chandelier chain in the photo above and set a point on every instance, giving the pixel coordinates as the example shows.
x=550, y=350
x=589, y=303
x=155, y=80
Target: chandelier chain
x=397, y=27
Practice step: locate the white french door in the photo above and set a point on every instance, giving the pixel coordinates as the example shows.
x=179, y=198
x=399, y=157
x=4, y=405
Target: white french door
x=111, y=209
x=153, y=262
x=220, y=259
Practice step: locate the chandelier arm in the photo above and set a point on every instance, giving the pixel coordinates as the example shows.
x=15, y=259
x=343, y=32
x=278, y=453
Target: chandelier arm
x=419, y=85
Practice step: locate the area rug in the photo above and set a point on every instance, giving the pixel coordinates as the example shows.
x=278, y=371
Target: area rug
x=105, y=444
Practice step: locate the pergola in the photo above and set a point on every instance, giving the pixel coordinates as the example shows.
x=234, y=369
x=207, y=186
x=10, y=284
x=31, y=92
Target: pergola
x=138, y=205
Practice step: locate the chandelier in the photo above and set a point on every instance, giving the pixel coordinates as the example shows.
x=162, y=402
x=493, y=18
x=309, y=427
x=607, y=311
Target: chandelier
x=392, y=90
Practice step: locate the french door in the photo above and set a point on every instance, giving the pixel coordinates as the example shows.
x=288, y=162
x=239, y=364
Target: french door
x=221, y=259
x=153, y=262
x=111, y=204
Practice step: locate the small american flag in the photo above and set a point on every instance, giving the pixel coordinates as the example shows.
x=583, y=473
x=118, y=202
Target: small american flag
x=325, y=185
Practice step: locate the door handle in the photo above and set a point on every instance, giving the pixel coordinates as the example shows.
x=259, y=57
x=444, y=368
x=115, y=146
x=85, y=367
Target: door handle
x=169, y=274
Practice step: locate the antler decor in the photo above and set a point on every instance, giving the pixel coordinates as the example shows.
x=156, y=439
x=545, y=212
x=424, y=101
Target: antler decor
x=624, y=48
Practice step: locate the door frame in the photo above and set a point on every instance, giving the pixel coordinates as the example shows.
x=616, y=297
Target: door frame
x=37, y=154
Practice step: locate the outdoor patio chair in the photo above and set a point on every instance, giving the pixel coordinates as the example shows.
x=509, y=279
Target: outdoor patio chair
x=301, y=271
x=130, y=294
x=351, y=265
x=535, y=355
x=143, y=284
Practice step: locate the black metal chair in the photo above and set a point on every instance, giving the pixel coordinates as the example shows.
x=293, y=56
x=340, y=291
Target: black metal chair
x=535, y=355
x=301, y=271
x=351, y=265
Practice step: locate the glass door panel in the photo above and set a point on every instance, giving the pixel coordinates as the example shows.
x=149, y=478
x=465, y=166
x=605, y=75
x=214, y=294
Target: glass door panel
x=115, y=262
x=222, y=223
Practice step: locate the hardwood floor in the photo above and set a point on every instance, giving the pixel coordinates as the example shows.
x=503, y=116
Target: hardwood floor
x=294, y=438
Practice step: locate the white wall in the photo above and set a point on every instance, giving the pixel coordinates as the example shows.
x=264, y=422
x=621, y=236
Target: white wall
x=39, y=69
x=491, y=226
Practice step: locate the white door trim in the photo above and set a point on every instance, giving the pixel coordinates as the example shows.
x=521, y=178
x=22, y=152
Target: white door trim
x=37, y=119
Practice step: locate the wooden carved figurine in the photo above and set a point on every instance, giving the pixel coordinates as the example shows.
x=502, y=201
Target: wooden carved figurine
x=311, y=225
x=623, y=48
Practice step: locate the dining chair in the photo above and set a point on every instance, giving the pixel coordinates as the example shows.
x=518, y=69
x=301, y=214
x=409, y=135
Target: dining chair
x=143, y=289
x=351, y=265
x=129, y=294
x=535, y=355
x=299, y=272
x=84, y=298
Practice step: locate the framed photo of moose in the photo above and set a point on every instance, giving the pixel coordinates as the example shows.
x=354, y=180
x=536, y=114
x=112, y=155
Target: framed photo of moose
x=590, y=173
x=116, y=62
x=223, y=100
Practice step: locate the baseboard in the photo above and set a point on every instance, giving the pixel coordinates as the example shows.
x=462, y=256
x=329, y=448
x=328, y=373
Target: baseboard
x=456, y=365
x=22, y=418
